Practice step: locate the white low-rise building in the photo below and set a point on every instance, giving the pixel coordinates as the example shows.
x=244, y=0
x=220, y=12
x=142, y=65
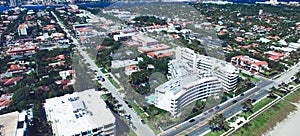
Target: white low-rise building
x=80, y=113
x=144, y=40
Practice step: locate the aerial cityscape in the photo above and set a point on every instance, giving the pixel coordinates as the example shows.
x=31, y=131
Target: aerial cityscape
x=149, y=68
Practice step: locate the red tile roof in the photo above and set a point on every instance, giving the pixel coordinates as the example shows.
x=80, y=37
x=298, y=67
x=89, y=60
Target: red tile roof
x=11, y=80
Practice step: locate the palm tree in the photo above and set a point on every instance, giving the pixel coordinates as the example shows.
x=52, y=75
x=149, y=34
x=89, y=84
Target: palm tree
x=217, y=122
x=212, y=123
x=105, y=90
x=272, y=92
x=221, y=121
x=247, y=105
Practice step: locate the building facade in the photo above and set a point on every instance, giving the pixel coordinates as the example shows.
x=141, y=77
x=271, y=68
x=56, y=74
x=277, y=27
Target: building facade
x=179, y=92
x=225, y=71
x=186, y=86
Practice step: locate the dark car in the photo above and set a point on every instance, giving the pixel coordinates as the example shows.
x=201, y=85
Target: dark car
x=217, y=107
x=192, y=120
x=211, y=110
x=143, y=121
x=234, y=101
x=202, y=119
x=242, y=94
x=126, y=101
x=129, y=106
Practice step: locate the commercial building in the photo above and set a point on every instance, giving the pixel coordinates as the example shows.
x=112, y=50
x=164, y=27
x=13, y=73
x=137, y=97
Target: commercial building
x=123, y=36
x=13, y=124
x=144, y=40
x=80, y=113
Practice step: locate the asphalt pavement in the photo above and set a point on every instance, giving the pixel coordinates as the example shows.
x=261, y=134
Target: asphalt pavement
x=229, y=108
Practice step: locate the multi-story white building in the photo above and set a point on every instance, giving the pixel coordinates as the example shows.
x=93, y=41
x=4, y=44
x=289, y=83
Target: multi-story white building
x=81, y=113
x=185, y=87
x=22, y=29
x=194, y=77
x=187, y=55
x=225, y=71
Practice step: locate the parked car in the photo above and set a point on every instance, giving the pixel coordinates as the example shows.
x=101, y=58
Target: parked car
x=192, y=120
x=234, y=101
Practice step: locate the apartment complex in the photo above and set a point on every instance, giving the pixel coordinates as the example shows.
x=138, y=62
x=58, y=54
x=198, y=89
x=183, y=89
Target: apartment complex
x=81, y=113
x=185, y=87
x=225, y=71
x=194, y=77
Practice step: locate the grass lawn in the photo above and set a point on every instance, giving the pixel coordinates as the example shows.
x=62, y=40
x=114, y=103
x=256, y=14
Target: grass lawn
x=255, y=79
x=112, y=81
x=244, y=75
x=292, y=83
x=132, y=133
x=104, y=97
x=144, y=117
x=261, y=104
x=294, y=97
x=103, y=70
x=281, y=94
x=266, y=121
x=138, y=110
x=256, y=107
x=215, y=133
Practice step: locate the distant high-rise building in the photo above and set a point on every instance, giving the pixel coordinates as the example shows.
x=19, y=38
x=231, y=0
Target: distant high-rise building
x=22, y=29
x=273, y=2
x=260, y=12
x=12, y=3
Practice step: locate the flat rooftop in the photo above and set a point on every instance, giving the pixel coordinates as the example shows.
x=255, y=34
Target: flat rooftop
x=9, y=122
x=144, y=38
x=78, y=112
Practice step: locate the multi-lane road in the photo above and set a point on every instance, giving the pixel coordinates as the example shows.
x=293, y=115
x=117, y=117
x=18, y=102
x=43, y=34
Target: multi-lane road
x=228, y=108
x=136, y=124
